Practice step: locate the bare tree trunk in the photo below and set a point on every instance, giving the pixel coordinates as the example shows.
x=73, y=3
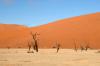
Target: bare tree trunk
x=58, y=47
x=75, y=46
x=87, y=47
x=35, y=45
x=29, y=49
x=29, y=46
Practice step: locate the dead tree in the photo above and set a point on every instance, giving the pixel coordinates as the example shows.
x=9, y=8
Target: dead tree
x=58, y=47
x=75, y=46
x=35, y=44
x=87, y=46
x=82, y=48
x=8, y=47
x=29, y=48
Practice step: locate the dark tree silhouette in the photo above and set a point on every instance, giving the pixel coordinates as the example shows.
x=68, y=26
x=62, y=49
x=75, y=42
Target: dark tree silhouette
x=58, y=47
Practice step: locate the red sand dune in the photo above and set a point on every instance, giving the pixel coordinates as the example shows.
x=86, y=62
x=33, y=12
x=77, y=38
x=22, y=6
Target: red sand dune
x=81, y=30
x=13, y=36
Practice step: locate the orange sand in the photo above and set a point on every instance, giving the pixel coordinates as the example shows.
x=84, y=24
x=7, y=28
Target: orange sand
x=81, y=30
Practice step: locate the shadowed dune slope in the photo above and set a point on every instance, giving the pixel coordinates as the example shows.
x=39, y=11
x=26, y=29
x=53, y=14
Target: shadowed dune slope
x=81, y=30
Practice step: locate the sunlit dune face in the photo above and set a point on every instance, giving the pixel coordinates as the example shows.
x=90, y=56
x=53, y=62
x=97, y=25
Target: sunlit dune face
x=83, y=29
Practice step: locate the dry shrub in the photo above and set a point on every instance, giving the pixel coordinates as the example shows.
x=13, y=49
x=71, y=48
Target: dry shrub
x=82, y=48
x=98, y=51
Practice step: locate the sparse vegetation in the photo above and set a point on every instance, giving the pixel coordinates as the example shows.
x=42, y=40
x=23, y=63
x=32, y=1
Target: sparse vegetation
x=85, y=46
x=98, y=51
x=56, y=46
